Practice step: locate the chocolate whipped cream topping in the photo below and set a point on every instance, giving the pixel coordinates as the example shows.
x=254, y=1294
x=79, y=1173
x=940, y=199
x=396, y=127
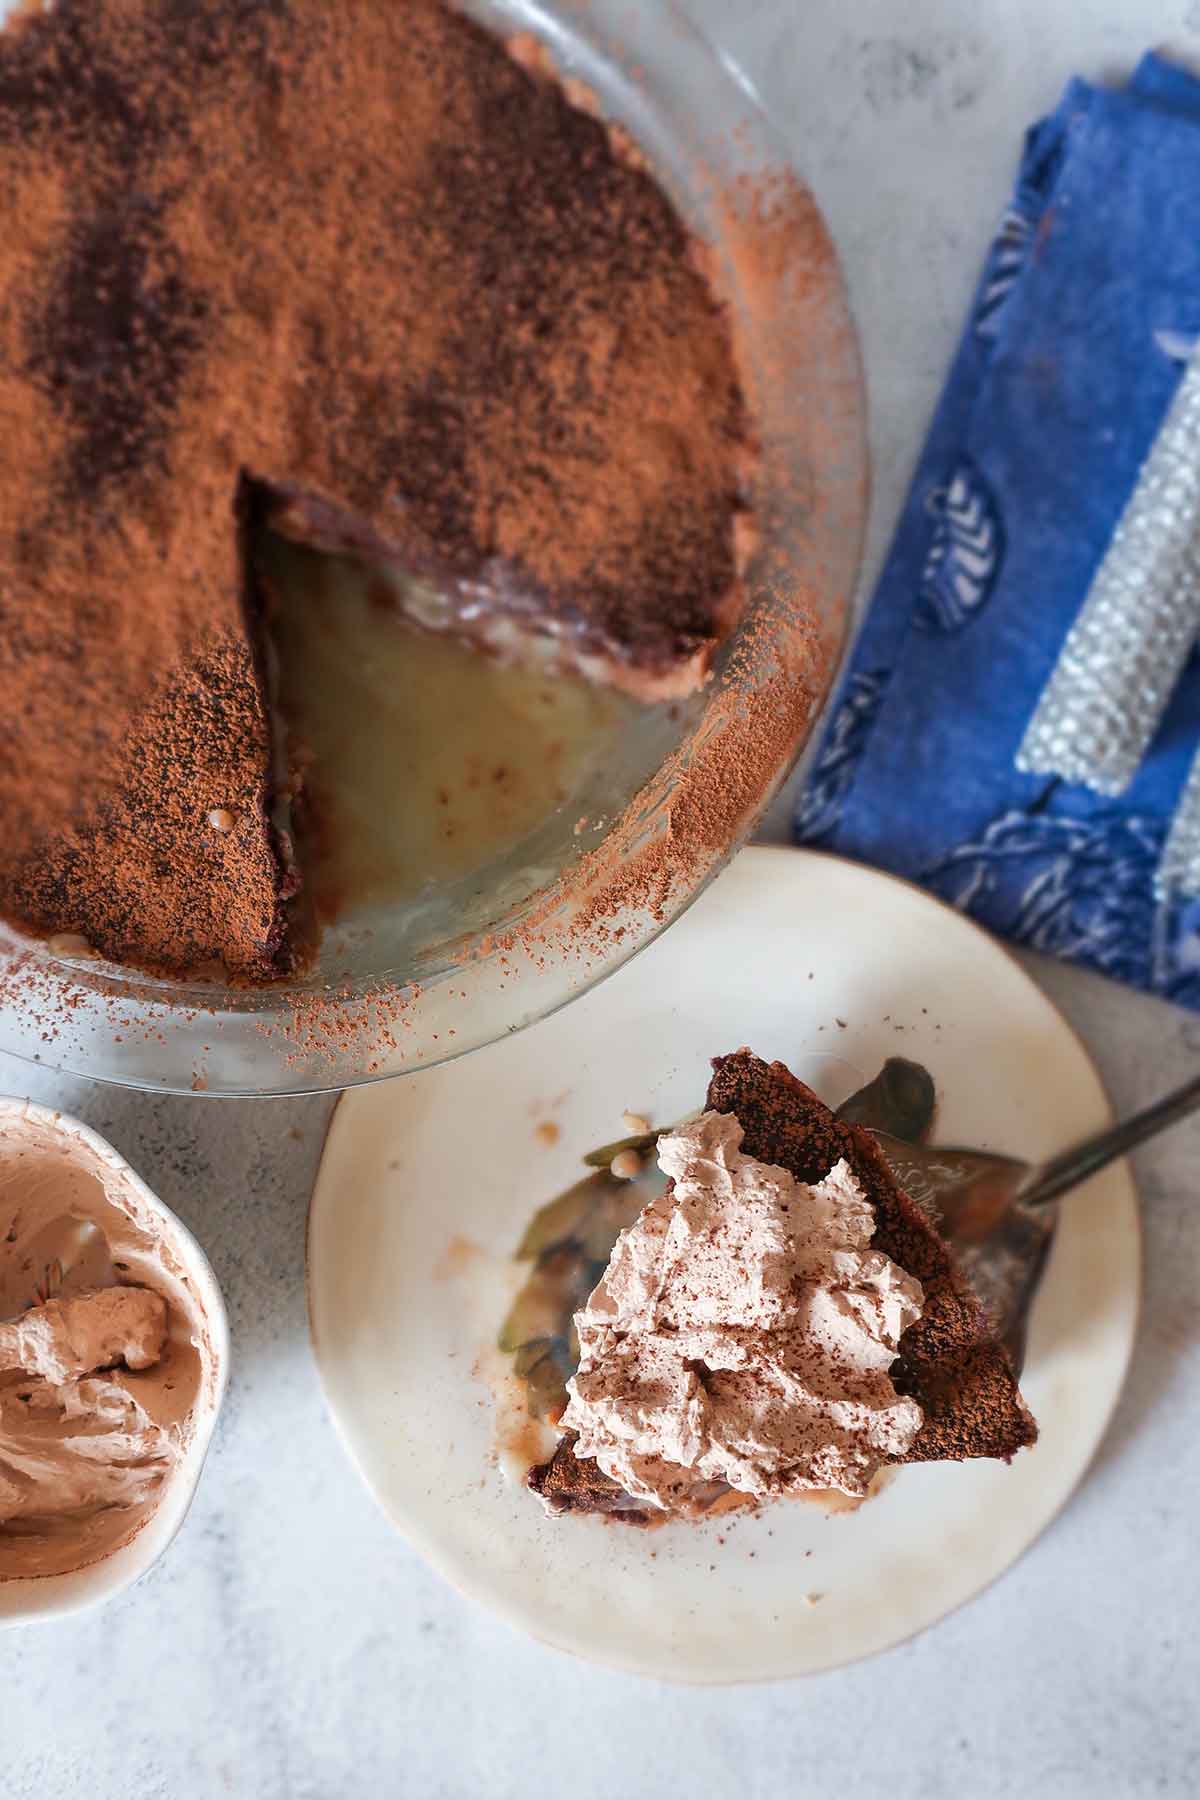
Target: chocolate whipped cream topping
x=105, y=1361
x=81, y=1458
x=348, y=267
x=68, y=1337
x=950, y=1361
x=743, y=1333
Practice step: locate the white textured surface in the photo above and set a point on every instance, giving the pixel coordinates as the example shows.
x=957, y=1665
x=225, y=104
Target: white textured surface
x=289, y=1647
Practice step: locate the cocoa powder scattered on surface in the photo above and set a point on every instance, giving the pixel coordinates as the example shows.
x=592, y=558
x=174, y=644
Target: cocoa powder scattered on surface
x=356, y=270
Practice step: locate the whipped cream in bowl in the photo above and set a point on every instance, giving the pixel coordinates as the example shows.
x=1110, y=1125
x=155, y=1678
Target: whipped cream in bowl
x=114, y=1350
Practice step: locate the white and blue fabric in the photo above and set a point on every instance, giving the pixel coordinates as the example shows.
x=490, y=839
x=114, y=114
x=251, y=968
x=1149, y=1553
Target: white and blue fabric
x=1085, y=317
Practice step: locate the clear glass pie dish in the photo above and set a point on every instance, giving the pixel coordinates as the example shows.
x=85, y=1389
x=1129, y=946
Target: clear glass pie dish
x=651, y=822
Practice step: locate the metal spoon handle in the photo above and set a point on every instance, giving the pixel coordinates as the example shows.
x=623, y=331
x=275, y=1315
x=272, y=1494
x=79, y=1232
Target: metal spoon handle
x=1078, y=1164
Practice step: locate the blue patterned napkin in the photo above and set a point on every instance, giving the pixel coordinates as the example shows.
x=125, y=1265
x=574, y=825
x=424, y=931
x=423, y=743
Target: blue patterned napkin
x=1088, y=308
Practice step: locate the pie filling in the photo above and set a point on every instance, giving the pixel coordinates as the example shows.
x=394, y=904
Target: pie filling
x=500, y=611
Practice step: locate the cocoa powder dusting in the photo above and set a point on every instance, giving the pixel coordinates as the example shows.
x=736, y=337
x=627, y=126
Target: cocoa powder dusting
x=356, y=271
x=706, y=797
x=700, y=803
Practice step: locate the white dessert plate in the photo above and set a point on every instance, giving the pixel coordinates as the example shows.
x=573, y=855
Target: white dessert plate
x=427, y=1184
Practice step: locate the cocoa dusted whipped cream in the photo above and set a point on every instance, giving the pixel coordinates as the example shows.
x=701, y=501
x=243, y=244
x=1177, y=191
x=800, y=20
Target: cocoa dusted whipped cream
x=106, y=1360
x=743, y=1334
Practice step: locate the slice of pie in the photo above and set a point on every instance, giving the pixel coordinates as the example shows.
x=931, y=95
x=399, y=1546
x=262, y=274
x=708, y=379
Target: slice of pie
x=355, y=273
x=784, y=1321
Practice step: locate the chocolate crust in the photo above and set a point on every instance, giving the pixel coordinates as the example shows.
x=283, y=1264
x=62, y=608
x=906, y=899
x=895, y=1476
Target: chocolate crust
x=950, y=1362
x=574, y=1484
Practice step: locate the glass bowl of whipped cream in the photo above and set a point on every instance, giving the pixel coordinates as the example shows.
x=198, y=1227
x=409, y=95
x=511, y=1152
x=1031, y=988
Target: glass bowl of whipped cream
x=114, y=1352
